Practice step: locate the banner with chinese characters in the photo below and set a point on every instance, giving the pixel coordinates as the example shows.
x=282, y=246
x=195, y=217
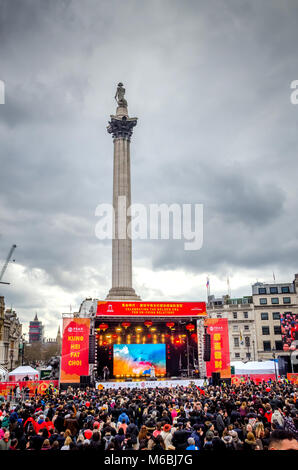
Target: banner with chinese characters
x=218, y=330
x=75, y=349
x=38, y=387
x=151, y=309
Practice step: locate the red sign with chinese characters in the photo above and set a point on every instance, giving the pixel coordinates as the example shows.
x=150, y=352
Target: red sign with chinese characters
x=218, y=329
x=35, y=386
x=75, y=349
x=151, y=309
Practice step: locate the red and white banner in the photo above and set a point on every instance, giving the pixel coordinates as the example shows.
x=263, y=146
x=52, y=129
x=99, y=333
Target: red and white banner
x=75, y=349
x=218, y=329
x=146, y=384
x=35, y=386
x=151, y=309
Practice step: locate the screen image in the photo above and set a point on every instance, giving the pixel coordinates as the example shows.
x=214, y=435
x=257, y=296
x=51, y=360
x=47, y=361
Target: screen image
x=139, y=359
x=289, y=331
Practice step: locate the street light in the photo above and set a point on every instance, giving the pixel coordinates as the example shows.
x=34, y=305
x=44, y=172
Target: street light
x=22, y=348
x=11, y=358
x=274, y=356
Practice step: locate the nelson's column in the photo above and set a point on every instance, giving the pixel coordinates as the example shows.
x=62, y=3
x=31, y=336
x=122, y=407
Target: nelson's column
x=121, y=128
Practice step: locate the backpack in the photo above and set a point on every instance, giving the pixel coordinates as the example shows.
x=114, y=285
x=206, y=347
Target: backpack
x=107, y=440
x=5, y=422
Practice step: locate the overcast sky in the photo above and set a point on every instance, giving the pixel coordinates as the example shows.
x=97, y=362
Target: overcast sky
x=210, y=84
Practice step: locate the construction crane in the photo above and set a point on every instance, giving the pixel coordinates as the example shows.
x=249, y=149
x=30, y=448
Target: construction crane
x=6, y=264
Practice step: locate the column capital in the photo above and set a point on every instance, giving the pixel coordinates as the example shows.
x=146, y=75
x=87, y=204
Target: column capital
x=121, y=126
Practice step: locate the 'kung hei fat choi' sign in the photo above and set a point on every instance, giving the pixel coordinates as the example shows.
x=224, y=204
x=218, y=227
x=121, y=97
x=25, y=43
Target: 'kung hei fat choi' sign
x=75, y=349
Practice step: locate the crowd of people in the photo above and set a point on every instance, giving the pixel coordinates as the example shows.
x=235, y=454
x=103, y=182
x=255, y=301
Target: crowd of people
x=246, y=417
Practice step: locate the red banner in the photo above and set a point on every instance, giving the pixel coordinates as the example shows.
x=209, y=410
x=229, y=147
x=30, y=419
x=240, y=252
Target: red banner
x=35, y=386
x=75, y=349
x=293, y=378
x=151, y=309
x=218, y=329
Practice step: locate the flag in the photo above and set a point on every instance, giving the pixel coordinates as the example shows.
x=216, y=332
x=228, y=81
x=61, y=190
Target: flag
x=207, y=284
x=273, y=276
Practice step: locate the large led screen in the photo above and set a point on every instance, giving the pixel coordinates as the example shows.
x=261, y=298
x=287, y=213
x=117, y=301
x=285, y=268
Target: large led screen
x=289, y=331
x=139, y=359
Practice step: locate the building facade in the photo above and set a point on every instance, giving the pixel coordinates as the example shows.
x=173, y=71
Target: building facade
x=36, y=331
x=241, y=321
x=10, y=337
x=270, y=301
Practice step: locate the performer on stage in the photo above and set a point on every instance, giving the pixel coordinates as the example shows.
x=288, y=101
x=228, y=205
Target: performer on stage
x=106, y=373
x=152, y=372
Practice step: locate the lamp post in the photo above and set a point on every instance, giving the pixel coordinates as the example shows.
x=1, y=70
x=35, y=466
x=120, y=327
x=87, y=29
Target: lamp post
x=11, y=359
x=274, y=356
x=22, y=348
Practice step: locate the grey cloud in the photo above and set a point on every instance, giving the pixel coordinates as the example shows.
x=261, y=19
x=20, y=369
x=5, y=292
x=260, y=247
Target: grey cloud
x=209, y=82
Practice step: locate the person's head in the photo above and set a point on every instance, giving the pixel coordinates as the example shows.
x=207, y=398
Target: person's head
x=250, y=437
x=67, y=433
x=67, y=441
x=191, y=441
x=46, y=443
x=6, y=436
x=95, y=436
x=259, y=431
x=282, y=440
x=167, y=428
x=55, y=445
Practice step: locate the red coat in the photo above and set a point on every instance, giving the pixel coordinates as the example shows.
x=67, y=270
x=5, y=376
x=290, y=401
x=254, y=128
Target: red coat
x=34, y=424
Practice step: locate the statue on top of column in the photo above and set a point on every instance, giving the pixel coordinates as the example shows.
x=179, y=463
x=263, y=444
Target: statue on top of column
x=119, y=97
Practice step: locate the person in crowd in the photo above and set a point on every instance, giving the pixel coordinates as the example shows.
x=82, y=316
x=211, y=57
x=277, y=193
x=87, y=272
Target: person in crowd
x=282, y=440
x=240, y=417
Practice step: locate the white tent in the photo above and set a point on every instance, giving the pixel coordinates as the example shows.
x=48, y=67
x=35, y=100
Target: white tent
x=254, y=367
x=20, y=372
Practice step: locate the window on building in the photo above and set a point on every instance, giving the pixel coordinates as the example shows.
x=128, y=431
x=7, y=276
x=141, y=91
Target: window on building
x=276, y=316
x=273, y=290
x=218, y=315
x=237, y=355
x=245, y=314
x=278, y=345
x=247, y=341
x=267, y=345
x=277, y=330
x=262, y=290
x=265, y=330
x=274, y=300
x=264, y=316
x=285, y=290
x=263, y=301
x=246, y=327
x=235, y=327
x=236, y=342
x=235, y=315
x=287, y=300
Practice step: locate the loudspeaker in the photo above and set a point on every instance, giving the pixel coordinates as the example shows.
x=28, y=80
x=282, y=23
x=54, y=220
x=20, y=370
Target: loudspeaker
x=207, y=347
x=215, y=378
x=85, y=379
x=92, y=349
